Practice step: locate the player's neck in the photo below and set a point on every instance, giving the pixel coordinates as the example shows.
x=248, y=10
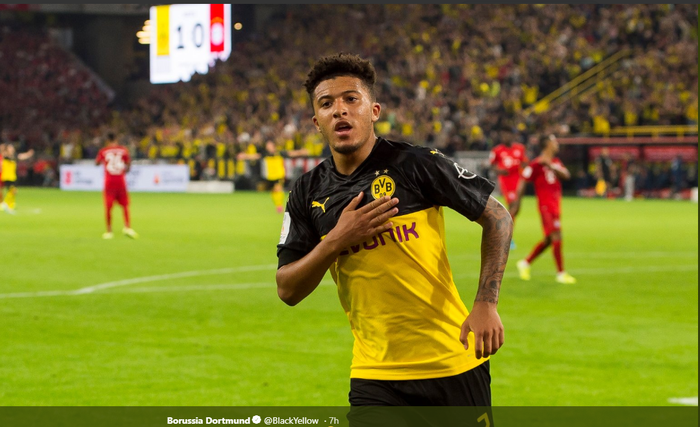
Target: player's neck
x=547, y=155
x=346, y=164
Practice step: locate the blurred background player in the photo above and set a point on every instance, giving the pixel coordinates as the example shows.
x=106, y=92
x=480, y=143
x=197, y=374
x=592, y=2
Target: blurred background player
x=116, y=162
x=506, y=161
x=272, y=170
x=545, y=172
x=8, y=175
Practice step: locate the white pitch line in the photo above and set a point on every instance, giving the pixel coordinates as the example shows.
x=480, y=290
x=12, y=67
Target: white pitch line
x=160, y=277
x=145, y=279
x=110, y=285
x=690, y=401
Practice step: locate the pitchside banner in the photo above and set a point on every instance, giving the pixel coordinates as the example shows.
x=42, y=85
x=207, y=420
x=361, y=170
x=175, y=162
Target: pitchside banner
x=141, y=178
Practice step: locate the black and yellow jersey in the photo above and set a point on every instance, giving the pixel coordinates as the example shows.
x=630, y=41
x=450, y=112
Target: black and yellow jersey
x=397, y=288
x=272, y=168
x=8, y=170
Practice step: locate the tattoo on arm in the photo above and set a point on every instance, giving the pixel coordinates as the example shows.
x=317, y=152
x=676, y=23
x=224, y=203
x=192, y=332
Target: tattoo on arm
x=495, y=245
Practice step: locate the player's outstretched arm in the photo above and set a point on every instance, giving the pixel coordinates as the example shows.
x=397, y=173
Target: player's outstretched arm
x=560, y=171
x=499, y=171
x=296, y=280
x=514, y=207
x=484, y=320
x=26, y=155
x=247, y=156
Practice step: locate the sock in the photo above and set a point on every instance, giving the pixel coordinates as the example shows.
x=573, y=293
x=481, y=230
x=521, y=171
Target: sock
x=278, y=198
x=127, y=222
x=108, y=217
x=10, y=198
x=556, y=249
x=536, y=252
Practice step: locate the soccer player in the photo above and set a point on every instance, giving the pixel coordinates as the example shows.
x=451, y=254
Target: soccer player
x=546, y=173
x=372, y=214
x=8, y=175
x=507, y=160
x=117, y=163
x=273, y=171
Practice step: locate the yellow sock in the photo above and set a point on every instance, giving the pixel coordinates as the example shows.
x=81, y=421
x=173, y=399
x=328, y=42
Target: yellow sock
x=278, y=198
x=10, y=197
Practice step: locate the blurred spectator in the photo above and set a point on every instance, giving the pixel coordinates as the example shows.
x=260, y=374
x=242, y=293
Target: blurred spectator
x=630, y=180
x=677, y=175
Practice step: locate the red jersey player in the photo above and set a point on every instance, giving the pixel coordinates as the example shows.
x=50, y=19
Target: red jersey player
x=506, y=161
x=116, y=162
x=546, y=173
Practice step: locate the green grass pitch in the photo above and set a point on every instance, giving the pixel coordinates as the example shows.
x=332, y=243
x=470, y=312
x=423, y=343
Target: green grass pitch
x=188, y=314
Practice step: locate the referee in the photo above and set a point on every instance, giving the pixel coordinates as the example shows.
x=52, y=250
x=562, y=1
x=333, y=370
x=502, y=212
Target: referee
x=372, y=214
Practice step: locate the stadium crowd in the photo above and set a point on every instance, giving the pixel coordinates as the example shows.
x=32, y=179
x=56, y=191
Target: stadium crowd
x=450, y=76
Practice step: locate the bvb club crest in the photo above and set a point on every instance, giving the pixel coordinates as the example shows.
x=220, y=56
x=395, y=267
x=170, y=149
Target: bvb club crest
x=382, y=186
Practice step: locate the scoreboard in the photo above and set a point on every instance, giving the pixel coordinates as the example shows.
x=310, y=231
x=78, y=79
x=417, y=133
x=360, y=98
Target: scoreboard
x=187, y=39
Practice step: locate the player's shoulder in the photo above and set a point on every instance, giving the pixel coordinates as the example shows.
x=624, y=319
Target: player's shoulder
x=313, y=178
x=535, y=164
x=404, y=153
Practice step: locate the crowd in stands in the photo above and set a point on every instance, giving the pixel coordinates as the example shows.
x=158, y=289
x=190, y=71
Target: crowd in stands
x=45, y=89
x=449, y=75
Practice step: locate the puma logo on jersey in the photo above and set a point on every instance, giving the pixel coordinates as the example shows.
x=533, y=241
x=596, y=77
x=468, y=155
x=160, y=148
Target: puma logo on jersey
x=320, y=205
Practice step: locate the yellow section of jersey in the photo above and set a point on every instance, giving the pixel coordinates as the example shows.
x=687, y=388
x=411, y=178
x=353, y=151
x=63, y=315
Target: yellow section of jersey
x=9, y=170
x=407, y=323
x=273, y=168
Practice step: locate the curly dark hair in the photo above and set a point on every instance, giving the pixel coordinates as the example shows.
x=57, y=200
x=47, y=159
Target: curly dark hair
x=341, y=64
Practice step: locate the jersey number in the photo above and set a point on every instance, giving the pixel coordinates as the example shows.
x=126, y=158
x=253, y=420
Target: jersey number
x=115, y=163
x=550, y=177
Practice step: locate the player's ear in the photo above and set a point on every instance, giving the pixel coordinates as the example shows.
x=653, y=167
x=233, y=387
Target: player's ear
x=376, y=111
x=318, y=128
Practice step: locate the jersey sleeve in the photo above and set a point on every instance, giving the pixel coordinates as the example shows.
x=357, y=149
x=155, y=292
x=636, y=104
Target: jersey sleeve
x=100, y=156
x=444, y=182
x=492, y=157
x=527, y=173
x=298, y=236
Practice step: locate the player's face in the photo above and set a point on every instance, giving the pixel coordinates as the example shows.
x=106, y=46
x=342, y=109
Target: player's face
x=553, y=145
x=345, y=113
x=556, y=145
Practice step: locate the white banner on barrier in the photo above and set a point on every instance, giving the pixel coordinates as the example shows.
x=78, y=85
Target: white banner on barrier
x=141, y=178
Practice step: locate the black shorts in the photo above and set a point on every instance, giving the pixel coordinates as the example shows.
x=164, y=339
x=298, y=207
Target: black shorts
x=267, y=184
x=405, y=403
x=470, y=388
